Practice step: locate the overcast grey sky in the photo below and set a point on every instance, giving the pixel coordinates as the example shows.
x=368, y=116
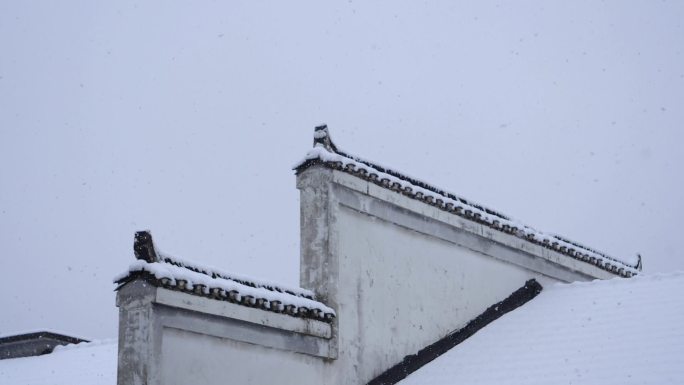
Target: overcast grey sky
x=186, y=117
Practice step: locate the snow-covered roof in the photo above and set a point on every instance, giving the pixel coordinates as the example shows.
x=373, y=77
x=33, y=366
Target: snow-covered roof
x=163, y=270
x=326, y=153
x=34, y=343
x=618, y=331
x=91, y=363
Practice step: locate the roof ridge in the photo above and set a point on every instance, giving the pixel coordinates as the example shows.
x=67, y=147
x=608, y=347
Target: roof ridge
x=164, y=271
x=145, y=249
x=42, y=334
x=322, y=136
x=326, y=153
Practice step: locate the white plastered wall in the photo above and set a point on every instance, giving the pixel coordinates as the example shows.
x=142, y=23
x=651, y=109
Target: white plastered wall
x=403, y=274
x=176, y=338
x=400, y=274
x=194, y=358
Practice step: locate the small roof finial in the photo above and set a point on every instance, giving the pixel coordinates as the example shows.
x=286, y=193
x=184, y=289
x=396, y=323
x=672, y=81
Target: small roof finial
x=143, y=247
x=322, y=137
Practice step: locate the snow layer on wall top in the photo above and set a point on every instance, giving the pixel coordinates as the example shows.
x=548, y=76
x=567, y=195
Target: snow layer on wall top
x=325, y=152
x=173, y=276
x=176, y=274
x=243, y=279
x=619, y=331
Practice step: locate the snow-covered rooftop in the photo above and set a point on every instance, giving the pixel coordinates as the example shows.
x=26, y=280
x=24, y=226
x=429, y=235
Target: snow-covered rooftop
x=91, y=363
x=326, y=153
x=191, y=277
x=619, y=331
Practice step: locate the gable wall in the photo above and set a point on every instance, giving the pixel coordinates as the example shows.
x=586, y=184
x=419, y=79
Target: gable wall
x=401, y=274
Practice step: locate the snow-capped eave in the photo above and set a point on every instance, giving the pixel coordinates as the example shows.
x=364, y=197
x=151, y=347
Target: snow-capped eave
x=327, y=154
x=43, y=334
x=33, y=344
x=161, y=270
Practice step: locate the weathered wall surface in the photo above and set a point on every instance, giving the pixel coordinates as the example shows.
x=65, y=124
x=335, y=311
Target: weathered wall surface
x=404, y=290
x=400, y=273
x=168, y=337
x=195, y=358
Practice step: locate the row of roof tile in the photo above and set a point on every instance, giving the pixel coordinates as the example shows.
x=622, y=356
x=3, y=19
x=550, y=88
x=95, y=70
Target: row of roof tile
x=172, y=273
x=327, y=154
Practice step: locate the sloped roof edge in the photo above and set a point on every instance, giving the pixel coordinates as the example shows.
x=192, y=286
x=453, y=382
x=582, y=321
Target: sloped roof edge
x=33, y=344
x=327, y=154
x=172, y=273
x=40, y=335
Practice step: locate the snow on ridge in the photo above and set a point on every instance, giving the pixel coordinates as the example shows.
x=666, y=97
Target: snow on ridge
x=175, y=273
x=85, y=345
x=35, y=331
x=320, y=152
x=243, y=279
x=417, y=182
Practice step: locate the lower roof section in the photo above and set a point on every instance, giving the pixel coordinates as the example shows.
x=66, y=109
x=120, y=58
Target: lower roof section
x=91, y=363
x=620, y=331
x=33, y=344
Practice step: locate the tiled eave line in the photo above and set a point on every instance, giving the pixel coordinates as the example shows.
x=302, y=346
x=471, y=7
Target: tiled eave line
x=232, y=296
x=579, y=253
x=211, y=273
x=326, y=154
x=145, y=250
x=171, y=273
